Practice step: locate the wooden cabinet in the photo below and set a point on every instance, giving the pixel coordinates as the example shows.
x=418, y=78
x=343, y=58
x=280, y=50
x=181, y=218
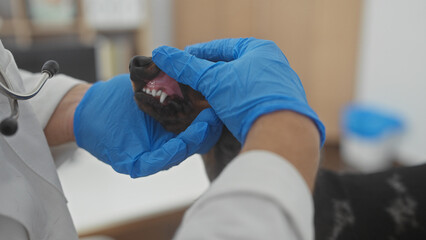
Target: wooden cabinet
x=319, y=37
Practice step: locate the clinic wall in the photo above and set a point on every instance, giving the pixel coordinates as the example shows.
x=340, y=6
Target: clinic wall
x=392, y=67
x=162, y=23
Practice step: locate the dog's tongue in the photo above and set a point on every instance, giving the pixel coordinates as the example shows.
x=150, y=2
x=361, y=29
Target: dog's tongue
x=166, y=84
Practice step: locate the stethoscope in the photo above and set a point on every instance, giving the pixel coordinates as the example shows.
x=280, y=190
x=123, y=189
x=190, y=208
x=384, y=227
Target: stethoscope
x=9, y=125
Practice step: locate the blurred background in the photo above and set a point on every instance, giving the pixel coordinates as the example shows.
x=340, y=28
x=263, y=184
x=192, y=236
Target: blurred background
x=362, y=63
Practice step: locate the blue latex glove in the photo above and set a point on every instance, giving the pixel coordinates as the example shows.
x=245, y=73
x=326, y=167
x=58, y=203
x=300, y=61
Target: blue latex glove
x=109, y=125
x=242, y=79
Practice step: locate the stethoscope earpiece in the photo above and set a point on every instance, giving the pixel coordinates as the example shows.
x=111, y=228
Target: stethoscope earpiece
x=51, y=67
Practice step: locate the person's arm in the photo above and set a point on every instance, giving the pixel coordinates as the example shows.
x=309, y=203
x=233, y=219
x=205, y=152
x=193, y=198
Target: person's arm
x=54, y=105
x=290, y=135
x=59, y=128
x=264, y=192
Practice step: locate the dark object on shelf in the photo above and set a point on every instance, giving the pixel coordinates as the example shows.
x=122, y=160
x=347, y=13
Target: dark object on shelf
x=76, y=60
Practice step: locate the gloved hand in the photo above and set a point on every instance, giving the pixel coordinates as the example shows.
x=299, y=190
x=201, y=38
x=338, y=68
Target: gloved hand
x=242, y=79
x=109, y=125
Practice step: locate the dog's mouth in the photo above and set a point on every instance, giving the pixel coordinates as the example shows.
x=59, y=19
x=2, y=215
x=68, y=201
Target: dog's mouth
x=163, y=88
x=164, y=99
x=172, y=104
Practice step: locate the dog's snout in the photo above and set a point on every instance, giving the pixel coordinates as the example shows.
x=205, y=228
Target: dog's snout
x=142, y=68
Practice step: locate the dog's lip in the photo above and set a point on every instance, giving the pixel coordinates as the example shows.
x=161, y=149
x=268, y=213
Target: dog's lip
x=158, y=97
x=163, y=100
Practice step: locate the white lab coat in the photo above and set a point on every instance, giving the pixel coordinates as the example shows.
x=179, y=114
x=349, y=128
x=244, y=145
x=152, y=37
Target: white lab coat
x=30, y=191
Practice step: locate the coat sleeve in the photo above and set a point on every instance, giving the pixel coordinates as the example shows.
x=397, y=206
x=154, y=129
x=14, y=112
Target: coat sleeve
x=45, y=102
x=258, y=196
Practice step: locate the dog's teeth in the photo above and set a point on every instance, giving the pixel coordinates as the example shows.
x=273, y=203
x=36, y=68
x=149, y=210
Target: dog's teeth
x=148, y=91
x=159, y=93
x=163, y=97
x=154, y=93
x=144, y=90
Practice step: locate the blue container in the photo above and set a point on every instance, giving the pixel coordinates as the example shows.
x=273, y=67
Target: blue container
x=369, y=122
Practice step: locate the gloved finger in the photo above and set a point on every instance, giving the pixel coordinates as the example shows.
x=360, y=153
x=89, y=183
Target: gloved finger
x=199, y=137
x=234, y=48
x=216, y=50
x=203, y=132
x=180, y=65
x=170, y=154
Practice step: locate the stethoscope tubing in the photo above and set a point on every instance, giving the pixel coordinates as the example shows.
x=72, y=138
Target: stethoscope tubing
x=7, y=90
x=9, y=126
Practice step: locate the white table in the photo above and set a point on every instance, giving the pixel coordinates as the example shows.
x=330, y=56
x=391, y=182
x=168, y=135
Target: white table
x=99, y=198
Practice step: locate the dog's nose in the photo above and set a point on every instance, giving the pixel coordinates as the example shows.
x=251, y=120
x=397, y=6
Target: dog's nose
x=142, y=69
x=140, y=61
